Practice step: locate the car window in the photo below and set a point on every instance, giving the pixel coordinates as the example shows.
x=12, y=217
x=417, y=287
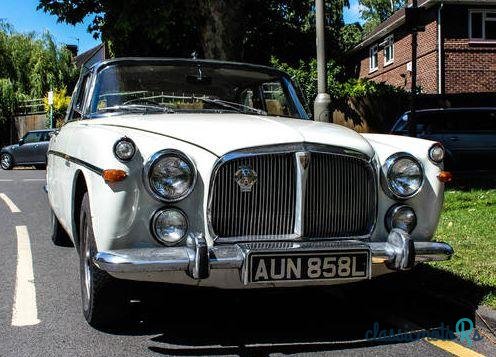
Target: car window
x=193, y=88
x=476, y=121
x=45, y=136
x=79, y=103
x=32, y=137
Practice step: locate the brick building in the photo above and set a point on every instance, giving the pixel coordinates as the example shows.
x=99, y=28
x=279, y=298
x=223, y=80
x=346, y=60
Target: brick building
x=456, y=52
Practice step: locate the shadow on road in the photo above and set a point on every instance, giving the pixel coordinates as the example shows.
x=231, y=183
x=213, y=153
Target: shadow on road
x=199, y=321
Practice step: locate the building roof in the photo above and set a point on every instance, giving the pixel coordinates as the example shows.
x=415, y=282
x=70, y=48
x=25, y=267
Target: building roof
x=88, y=55
x=398, y=18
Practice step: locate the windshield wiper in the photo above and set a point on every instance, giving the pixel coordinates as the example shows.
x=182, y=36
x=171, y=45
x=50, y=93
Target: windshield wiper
x=137, y=108
x=241, y=108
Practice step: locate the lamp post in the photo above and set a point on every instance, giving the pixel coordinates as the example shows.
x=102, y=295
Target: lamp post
x=412, y=125
x=50, y=109
x=323, y=100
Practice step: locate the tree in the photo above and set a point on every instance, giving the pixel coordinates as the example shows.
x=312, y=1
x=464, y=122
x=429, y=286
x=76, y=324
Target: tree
x=250, y=30
x=376, y=11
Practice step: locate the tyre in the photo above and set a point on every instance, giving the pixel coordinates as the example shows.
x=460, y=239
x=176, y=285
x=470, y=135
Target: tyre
x=57, y=233
x=6, y=161
x=103, y=297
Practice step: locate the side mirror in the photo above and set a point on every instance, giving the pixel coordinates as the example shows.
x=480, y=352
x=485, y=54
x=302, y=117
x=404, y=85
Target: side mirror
x=53, y=134
x=21, y=142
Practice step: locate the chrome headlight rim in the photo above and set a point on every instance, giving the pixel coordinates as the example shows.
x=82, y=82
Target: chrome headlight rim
x=435, y=146
x=114, y=149
x=393, y=211
x=391, y=160
x=154, y=221
x=153, y=160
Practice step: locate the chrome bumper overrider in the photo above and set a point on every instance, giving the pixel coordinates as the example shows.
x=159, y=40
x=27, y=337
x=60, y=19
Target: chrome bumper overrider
x=196, y=259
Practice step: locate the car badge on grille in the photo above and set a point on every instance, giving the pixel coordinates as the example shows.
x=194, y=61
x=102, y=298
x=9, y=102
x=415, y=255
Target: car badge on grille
x=304, y=158
x=245, y=177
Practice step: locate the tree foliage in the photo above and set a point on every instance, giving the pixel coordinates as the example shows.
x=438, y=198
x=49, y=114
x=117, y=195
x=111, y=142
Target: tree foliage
x=250, y=30
x=34, y=64
x=376, y=11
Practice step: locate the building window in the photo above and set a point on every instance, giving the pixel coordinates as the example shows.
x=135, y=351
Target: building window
x=388, y=50
x=374, y=58
x=482, y=25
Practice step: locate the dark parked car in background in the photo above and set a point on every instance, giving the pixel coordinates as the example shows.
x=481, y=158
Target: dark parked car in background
x=31, y=150
x=468, y=135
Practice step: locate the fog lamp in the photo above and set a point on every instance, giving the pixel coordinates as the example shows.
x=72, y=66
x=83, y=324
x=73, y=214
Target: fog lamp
x=169, y=226
x=402, y=217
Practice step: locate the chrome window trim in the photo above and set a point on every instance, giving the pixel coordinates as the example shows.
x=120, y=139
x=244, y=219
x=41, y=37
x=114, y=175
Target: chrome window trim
x=386, y=185
x=296, y=149
x=157, y=156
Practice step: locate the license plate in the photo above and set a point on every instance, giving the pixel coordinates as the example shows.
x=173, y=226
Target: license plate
x=272, y=267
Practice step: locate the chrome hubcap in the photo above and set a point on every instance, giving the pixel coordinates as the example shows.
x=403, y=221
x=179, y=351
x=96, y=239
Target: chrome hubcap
x=5, y=160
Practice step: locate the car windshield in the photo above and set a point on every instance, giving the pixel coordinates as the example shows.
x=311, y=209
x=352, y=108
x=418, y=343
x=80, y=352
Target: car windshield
x=193, y=87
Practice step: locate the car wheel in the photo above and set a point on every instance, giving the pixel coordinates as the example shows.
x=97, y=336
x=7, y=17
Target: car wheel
x=57, y=232
x=6, y=161
x=103, y=297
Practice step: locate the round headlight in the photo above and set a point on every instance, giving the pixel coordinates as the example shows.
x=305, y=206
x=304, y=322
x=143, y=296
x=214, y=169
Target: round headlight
x=170, y=176
x=404, y=175
x=169, y=226
x=436, y=153
x=124, y=149
x=402, y=217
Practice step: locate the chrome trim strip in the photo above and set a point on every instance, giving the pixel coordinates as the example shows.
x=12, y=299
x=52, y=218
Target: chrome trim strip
x=77, y=161
x=302, y=163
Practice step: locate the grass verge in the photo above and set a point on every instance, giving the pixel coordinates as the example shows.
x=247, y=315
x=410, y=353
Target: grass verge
x=468, y=224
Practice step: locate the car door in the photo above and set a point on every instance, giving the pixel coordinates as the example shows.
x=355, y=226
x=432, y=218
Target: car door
x=41, y=150
x=28, y=148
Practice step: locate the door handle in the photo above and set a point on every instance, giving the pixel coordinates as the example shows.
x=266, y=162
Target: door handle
x=454, y=138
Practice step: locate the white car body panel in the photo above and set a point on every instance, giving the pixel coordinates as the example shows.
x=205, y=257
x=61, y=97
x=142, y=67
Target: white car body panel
x=121, y=212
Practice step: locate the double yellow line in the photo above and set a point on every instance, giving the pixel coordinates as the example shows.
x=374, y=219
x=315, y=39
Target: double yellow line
x=454, y=348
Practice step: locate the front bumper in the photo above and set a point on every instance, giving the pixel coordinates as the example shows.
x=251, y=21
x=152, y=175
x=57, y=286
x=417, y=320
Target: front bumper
x=197, y=260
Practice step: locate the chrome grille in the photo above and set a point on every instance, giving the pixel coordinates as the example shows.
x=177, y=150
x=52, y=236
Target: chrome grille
x=340, y=197
x=268, y=210
x=331, y=195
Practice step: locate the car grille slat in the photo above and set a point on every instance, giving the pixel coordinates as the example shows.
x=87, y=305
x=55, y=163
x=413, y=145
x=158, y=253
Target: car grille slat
x=339, y=198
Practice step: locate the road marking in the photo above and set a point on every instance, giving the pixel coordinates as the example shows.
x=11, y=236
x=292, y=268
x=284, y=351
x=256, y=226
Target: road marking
x=13, y=208
x=24, y=310
x=6, y=180
x=28, y=180
x=454, y=348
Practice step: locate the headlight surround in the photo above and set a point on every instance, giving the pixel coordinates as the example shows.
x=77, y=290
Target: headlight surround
x=169, y=176
x=436, y=153
x=124, y=149
x=169, y=226
x=402, y=217
x=404, y=175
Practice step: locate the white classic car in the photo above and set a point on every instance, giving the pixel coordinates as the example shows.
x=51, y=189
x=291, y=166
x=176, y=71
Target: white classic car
x=210, y=173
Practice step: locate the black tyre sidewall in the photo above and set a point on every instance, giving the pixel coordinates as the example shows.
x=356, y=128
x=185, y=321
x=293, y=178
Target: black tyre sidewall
x=106, y=299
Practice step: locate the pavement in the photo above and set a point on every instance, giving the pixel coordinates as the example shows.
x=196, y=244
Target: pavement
x=40, y=307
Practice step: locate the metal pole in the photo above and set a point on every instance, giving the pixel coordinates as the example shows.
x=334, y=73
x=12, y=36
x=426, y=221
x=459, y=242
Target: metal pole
x=323, y=99
x=412, y=127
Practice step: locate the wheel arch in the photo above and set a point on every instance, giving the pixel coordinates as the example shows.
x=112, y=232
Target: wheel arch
x=80, y=187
